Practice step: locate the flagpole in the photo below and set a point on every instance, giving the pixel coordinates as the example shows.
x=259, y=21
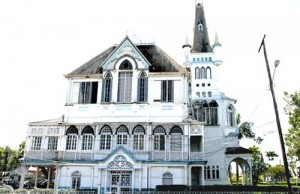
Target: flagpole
x=286, y=167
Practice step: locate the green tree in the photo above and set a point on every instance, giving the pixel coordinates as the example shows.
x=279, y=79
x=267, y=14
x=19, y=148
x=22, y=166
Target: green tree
x=245, y=129
x=292, y=139
x=271, y=155
x=276, y=172
x=259, y=167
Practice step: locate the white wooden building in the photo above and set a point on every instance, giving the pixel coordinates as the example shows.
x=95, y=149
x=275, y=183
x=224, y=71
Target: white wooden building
x=134, y=119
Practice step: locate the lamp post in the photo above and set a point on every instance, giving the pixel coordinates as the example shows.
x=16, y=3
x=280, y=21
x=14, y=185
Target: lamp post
x=286, y=167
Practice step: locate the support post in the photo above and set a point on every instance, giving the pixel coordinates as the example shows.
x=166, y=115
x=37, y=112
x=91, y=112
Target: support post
x=286, y=167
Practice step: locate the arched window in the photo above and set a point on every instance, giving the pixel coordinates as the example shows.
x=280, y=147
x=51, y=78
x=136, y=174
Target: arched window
x=197, y=73
x=208, y=72
x=87, y=138
x=213, y=105
x=105, y=138
x=230, y=116
x=138, y=137
x=107, y=88
x=176, y=138
x=76, y=180
x=72, y=135
x=201, y=111
x=142, y=88
x=122, y=135
x=159, y=138
x=167, y=178
x=125, y=82
x=202, y=73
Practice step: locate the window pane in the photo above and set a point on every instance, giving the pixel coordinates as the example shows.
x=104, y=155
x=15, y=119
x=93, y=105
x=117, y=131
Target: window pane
x=125, y=87
x=36, y=143
x=52, y=143
x=71, y=142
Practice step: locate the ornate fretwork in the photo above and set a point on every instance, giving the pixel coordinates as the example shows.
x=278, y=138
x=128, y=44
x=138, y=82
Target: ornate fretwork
x=119, y=163
x=196, y=129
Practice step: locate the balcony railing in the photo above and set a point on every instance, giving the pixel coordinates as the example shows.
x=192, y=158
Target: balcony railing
x=98, y=155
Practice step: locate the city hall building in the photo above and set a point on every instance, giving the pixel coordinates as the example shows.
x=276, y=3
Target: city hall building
x=135, y=118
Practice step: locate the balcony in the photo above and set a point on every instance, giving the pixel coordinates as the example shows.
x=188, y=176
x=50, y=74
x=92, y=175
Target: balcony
x=99, y=155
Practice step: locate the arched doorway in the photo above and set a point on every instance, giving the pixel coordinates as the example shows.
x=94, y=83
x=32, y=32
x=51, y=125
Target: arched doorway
x=239, y=172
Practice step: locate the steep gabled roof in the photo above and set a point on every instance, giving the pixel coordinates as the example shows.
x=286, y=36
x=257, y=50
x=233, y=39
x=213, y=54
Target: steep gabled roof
x=92, y=66
x=159, y=60
x=201, y=40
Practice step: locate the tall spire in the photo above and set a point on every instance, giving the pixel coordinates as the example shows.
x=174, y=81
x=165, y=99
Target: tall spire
x=201, y=41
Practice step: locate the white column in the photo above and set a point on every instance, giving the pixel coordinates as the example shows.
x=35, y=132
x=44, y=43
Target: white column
x=149, y=177
x=92, y=179
x=105, y=181
x=186, y=175
x=49, y=174
x=57, y=178
x=140, y=180
x=203, y=179
x=23, y=173
x=132, y=185
x=99, y=181
x=36, y=176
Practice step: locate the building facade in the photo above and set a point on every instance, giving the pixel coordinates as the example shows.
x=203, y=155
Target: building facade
x=134, y=119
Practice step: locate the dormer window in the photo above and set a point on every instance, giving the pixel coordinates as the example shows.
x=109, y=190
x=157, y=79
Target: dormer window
x=200, y=26
x=125, y=82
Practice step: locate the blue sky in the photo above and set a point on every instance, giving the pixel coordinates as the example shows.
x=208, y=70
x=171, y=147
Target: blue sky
x=43, y=40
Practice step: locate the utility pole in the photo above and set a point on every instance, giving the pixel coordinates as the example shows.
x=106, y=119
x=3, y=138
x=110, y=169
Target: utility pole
x=286, y=167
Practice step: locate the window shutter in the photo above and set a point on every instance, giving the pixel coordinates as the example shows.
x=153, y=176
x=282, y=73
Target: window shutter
x=157, y=90
x=75, y=92
x=146, y=89
x=138, y=90
x=170, y=91
x=177, y=90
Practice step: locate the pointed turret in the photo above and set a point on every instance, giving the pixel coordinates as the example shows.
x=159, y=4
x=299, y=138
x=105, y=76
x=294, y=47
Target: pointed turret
x=201, y=40
x=187, y=50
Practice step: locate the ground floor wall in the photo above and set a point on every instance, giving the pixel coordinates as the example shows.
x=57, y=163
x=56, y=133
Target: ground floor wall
x=148, y=176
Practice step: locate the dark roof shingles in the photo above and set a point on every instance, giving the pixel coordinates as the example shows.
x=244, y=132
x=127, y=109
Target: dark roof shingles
x=159, y=60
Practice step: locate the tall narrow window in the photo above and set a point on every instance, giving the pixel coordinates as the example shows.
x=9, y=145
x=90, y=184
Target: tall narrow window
x=176, y=138
x=72, y=135
x=138, y=138
x=167, y=91
x=122, y=135
x=167, y=178
x=36, y=143
x=213, y=105
x=76, y=180
x=125, y=82
x=52, y=143
x=159, y=138
x=107, y=88
x=230, y=116
x=201, y=111
x=87, y=138
x=142, y=88
x=197, y=73
x=202, y=73
x=208, y=72
x=105, y=138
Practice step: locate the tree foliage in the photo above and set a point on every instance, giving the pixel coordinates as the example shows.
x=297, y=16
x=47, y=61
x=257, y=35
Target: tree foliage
x=259, y=167
x=292, y=139
x=245, y=129
x=276, y=172
x=271, y=155
x=9, y=158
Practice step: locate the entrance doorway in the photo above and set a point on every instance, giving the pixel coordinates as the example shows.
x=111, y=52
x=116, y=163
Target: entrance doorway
x=120, y=181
